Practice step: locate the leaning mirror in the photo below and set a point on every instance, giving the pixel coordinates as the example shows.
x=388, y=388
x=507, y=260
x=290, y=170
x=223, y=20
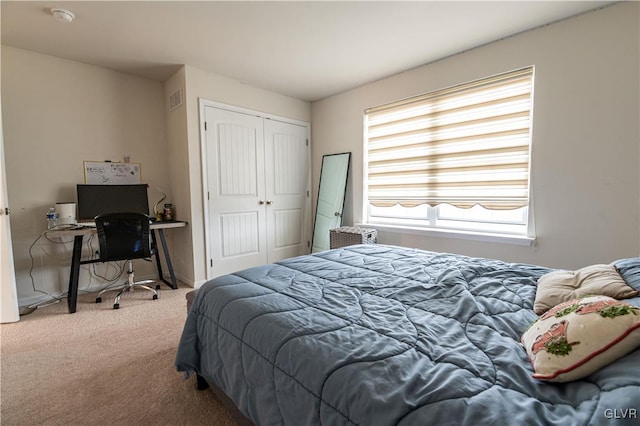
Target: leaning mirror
x=333, y=186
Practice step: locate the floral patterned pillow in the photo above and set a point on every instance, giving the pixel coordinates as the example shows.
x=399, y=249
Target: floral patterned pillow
x=576, y=338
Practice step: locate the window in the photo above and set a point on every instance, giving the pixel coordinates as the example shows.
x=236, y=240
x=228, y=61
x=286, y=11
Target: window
x=455, y=159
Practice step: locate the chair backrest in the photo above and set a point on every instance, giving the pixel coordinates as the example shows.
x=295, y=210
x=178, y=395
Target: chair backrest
x=123, y=236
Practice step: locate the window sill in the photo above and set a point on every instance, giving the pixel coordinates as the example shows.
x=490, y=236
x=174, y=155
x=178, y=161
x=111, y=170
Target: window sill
x=450, y=233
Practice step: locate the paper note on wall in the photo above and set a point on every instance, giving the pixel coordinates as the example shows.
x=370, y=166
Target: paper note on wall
x=109, y=173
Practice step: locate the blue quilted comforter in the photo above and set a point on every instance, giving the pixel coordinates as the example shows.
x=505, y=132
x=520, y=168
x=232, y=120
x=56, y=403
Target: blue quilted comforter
x=381, y=335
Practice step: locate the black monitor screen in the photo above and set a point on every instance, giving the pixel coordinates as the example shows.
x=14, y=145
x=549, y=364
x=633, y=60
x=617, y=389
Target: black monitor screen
x=94, y=200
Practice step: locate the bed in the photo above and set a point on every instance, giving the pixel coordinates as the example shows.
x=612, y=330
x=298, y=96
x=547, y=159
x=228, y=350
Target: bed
x=384, y=335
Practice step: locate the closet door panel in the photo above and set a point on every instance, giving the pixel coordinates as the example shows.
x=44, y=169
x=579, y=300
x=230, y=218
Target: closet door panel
x=235, y=166
x=287, y=183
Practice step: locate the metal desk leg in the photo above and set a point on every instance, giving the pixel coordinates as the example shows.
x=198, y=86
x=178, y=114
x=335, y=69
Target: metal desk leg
x=163, y=241
x=74, y=275
x=156, y=254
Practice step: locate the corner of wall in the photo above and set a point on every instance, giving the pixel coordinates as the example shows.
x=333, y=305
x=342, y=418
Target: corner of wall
x=176, y=119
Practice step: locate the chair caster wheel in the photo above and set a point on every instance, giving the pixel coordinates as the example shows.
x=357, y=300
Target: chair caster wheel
x=155, y=296
x=116, y=306
x=157, y=286
x=98, y=299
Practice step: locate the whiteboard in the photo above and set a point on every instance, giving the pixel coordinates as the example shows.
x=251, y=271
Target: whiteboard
x=110, y=173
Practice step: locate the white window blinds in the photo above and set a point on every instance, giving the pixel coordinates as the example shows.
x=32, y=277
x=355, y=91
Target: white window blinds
x=465, y=145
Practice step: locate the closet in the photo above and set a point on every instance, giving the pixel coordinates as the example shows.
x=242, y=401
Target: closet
x=257, y=189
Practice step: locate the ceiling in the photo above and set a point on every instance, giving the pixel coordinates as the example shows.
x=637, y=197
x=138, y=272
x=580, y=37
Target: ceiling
x=305, y=49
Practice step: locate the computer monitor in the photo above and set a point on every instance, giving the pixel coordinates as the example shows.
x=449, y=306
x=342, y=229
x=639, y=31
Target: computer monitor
x=94, y=200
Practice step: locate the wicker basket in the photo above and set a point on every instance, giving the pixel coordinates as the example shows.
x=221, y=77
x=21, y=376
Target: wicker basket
x=349, y=235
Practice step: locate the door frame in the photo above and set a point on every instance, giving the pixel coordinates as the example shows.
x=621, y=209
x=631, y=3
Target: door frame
x=9, y=310
x=204, y=103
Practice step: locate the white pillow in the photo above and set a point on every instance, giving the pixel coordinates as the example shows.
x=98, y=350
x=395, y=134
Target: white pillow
x=560, y=286
x=576, y=338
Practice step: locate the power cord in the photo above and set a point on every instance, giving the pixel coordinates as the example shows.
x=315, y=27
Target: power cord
x=33, y=281
x=53, y=299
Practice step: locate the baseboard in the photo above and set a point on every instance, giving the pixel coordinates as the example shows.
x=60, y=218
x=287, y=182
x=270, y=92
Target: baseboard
x=38, y=299
x=199, y=284
x=185, y=280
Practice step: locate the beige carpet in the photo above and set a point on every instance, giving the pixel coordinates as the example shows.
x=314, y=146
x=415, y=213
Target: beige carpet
x=101, y=366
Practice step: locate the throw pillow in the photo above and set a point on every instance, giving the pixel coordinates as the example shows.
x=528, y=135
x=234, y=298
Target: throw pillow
x=629, y=269
x=576, y=338
x=560, y=286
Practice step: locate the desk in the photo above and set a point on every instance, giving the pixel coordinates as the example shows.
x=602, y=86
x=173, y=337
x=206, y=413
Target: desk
x=76, y=256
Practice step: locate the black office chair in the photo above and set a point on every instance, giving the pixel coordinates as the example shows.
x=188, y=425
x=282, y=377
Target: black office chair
x=125, y=236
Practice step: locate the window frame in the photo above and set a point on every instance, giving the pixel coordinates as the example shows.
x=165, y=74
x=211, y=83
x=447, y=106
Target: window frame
x=436, y=223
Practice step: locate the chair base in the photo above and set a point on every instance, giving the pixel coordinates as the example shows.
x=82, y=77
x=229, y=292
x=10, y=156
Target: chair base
x=129, y=287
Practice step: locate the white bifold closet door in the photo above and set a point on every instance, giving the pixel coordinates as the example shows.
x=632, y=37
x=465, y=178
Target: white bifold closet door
x=258, y=190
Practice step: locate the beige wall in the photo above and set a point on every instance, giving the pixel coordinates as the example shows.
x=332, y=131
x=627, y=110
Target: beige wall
x=57, y=113
x=188, y=175
x=586, y=135
x=176, y=125
x=585, y=174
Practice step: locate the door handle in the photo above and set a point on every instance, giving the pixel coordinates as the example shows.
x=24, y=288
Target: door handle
x=269, y=202
x=261, y=202
x=337, y=214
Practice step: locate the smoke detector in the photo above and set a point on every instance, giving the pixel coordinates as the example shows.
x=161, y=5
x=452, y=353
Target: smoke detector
x=63, y=15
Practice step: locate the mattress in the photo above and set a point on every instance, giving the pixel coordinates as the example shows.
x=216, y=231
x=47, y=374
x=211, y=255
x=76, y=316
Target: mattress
x=384, y=335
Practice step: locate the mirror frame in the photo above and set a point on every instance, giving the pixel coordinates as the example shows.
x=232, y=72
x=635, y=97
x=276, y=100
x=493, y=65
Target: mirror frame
x=320, y=187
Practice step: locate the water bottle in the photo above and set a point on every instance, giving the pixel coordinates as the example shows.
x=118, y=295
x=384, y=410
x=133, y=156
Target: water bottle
x=52, y=218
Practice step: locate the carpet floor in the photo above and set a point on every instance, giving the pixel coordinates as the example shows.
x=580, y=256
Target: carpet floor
x=101, y=366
